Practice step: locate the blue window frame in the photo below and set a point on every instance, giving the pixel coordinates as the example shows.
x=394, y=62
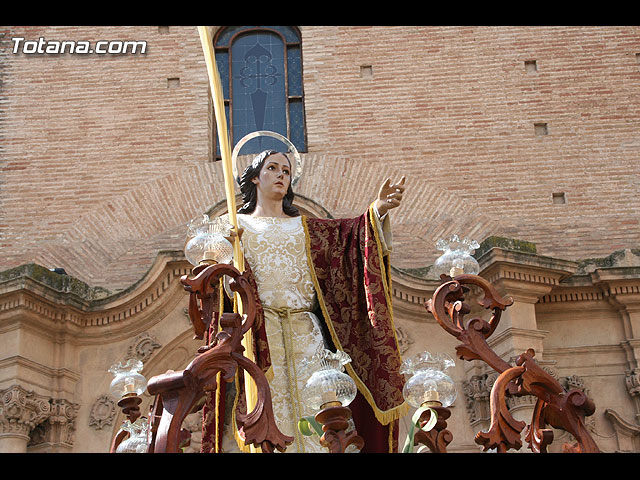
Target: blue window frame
x=261, y=73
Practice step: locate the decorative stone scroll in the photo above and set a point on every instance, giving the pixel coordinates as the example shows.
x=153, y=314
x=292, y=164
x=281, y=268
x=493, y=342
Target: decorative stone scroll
x=22, y=410
x=103, y=412
x=143, y=347
x=60, y=427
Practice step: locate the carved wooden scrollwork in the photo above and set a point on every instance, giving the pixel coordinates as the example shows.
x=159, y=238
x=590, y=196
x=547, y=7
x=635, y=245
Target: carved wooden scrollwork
x=504, y=432
x=177, y=393
x=555, y=406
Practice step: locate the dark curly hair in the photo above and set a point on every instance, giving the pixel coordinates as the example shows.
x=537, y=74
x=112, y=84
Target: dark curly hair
x=249, y=189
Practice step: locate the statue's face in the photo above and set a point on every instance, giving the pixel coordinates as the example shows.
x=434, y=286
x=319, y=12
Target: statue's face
x=274, y=178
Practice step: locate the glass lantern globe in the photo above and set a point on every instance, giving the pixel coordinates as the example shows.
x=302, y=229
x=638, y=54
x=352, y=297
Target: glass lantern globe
x=137, y=441
x=206, y=242
x=127, y=379
x=328, y=383
x=428, y=384
x=457, y=257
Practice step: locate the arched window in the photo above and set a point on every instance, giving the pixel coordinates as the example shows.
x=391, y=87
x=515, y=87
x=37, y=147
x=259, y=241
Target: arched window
x=261, y=73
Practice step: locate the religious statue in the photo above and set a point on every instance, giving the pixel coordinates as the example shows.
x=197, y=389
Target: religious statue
x=321, y=283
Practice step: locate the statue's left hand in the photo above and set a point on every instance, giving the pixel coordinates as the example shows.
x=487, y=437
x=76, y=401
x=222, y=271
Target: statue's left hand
x=390, y=195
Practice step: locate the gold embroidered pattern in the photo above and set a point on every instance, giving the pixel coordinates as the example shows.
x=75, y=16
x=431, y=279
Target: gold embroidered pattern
x=275, y=249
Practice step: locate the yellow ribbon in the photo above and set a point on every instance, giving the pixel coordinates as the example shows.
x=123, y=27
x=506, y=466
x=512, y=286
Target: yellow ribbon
x=225, y=150
x=285, y=319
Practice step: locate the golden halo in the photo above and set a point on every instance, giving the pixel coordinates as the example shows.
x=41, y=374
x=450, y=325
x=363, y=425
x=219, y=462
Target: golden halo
x=297, y=164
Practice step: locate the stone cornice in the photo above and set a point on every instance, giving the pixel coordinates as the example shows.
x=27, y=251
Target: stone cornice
x=548, y=279
x=61, y=303
x=621, y=284
x=22, y=363
x=508, y=333
x=582, y=350
x=410, y=294
x=618, y=275
x=40, y=299
x=499, y=263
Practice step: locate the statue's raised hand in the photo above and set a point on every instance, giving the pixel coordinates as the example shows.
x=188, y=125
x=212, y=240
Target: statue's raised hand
x=390, y=195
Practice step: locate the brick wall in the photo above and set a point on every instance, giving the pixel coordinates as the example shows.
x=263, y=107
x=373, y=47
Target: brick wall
x=104, y=159
x=86, y=136
x=455, y=108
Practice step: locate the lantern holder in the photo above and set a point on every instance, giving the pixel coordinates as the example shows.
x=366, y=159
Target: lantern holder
x=334, y=419
x=438, y=438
